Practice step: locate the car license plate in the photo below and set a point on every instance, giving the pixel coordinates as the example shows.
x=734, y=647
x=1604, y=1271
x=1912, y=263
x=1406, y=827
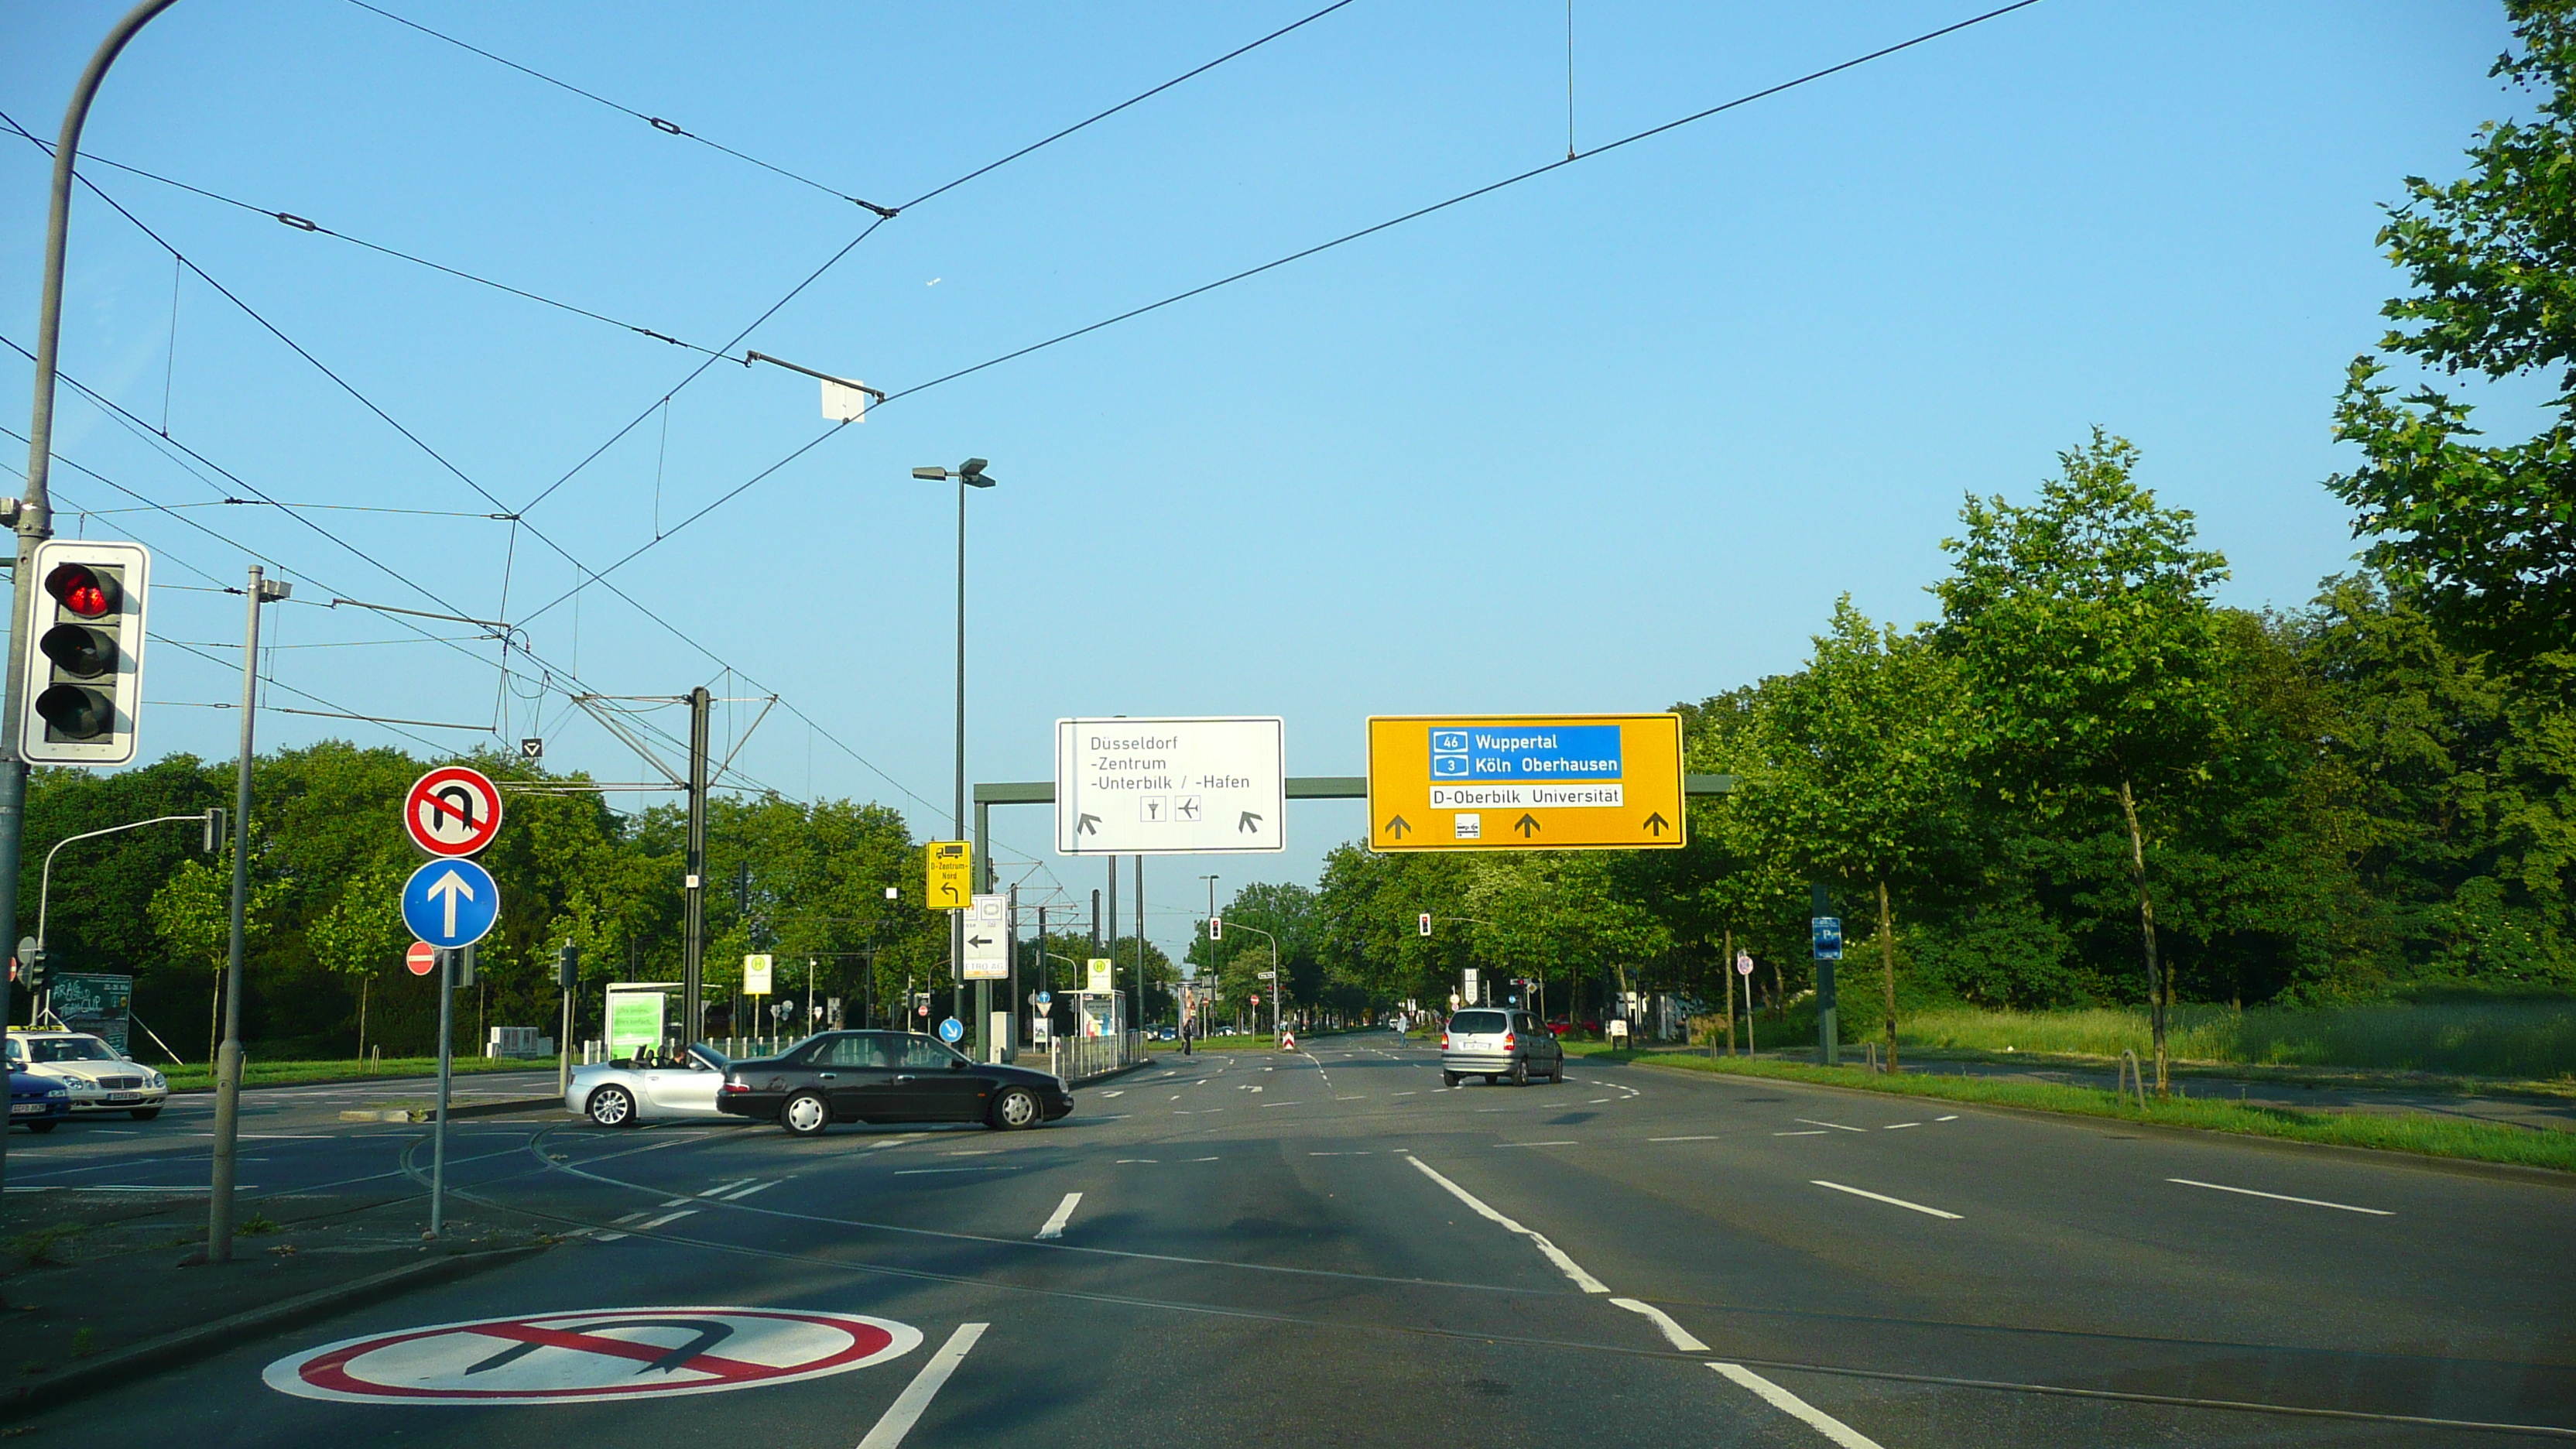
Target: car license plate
x=125, y=1096
x=26, y=1109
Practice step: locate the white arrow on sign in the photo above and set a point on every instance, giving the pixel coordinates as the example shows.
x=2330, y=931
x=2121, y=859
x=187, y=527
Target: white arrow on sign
x=450, y=887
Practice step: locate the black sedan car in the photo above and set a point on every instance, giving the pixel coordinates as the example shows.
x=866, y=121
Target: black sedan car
x=886, y=1076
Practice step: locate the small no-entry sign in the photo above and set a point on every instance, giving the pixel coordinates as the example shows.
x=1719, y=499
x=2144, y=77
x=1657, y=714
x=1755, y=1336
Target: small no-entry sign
x=422, y=958
x=587, y=1357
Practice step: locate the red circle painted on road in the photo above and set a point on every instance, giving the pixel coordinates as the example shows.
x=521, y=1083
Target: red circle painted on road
x=422, y=958
x=453, y=811
x=591, y=1356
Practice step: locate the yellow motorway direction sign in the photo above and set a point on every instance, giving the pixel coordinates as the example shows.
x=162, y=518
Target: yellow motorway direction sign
x=950, y=885
x=1525, y=782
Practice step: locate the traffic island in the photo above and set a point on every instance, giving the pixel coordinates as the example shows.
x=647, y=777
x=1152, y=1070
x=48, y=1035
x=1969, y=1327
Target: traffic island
x=95, y=1299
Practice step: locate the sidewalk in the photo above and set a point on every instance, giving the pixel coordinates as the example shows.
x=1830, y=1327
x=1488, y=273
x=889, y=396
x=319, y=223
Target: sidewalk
x=95, y=1297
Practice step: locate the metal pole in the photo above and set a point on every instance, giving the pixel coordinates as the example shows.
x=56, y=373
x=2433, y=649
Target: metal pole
x=228, y=1058
x=446, y=1051
x=563, y=1049
x=693, y=948
x=957, y=919
x=35, y=509
x=1140, y=944
x=1828, y=1035
x=45, y=879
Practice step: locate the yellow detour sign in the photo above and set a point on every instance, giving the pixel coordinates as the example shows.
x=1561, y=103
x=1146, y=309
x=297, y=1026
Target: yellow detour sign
x=951, y=883
x=1525, y=782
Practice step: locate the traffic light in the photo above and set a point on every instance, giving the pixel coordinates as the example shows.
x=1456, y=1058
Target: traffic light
x=32, y=973
x=463, y=969
x=567, y=967
x=1426, y=923
x=214, y=830
x=1216, y=928
x=84, y=667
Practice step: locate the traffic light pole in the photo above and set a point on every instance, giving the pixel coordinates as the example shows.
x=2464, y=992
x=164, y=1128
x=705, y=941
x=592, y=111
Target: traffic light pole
x=228, y=1058
x=693, y=941
x=35, y=507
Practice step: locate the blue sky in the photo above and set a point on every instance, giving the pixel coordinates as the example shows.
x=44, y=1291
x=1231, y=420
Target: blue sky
x=1608, y=439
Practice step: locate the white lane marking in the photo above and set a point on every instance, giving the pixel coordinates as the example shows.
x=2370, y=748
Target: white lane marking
x=677, y=1202
x=720, y=1189
x=1122, y=1091
x=1568, y=1142
x=983, y=1167
x=1882, y=1197
x=1899, y=1126
x=1203, y=1159
x=2284, y=1197
x=1122, y=1162
x=1837, y=1126
x=1843, y=1435
x=906, y=1410
x=1278, y=1104
x=1362, y=1097
x=974, y=1152
x=748, y=1191
x=1953, y=1117
x=1063, y=1214
x=1556, y=1255
x=1678, y=1336
x=1411, y=1094
x=664, y=1218
x=1712, y=1137
x=1819, y=1132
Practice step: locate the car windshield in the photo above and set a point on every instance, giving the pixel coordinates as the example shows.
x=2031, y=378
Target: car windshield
x=1478, y=1023
x=70, y=1049
x=920, y=1052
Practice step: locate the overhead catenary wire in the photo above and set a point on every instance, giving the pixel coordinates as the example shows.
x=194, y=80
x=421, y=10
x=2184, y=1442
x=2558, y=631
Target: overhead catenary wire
x=296, y=222
x=1299, y=255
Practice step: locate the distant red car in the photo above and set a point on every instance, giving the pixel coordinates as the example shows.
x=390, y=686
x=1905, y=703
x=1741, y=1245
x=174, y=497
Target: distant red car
x=1561, y=1026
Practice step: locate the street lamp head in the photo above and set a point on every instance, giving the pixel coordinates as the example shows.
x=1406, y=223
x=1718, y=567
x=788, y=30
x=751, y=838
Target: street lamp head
x=971, y=473
x=934, y=475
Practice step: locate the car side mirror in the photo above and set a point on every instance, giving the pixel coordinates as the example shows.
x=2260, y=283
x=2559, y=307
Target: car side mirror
x=959, y=1064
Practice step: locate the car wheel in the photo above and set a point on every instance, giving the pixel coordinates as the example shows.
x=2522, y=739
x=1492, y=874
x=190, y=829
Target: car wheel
x=1520, y=1072
x=146, y=1114
x=42, y=1124
x=1557, y=1073
x=805, y=1115
x=1448, y=1079
x=612, y=1107
x=1014, y=1109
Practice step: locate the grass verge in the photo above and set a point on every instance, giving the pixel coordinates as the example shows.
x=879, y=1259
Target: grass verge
x=258, y=1073
x=2532, y=1038
x=2429, y=1136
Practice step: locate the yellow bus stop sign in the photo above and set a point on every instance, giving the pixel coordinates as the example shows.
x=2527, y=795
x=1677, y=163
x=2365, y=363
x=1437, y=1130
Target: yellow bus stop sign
x=1525, y=782
x=951, y=882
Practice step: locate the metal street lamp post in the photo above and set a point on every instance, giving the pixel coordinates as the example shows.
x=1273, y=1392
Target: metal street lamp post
x=969, y=474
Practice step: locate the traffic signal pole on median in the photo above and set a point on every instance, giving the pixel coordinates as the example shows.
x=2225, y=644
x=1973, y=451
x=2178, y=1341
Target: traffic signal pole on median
x=228, y=1057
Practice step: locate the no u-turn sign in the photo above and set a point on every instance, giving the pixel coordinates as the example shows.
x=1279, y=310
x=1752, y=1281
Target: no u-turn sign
x=586, y=1357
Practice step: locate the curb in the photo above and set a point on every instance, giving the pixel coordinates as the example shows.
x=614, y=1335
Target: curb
x=121, y=1368
x=1137, y=1065
x=430, y=1114
x=2369, y=1156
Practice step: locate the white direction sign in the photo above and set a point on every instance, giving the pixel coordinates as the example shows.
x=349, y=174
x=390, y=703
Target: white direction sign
x=1170, y=786
x=988, y=938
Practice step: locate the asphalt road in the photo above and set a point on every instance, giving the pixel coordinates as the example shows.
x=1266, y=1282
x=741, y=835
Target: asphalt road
x=1325, y=1248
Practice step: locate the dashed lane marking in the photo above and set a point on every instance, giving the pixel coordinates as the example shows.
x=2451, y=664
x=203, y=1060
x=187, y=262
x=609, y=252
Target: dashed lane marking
x=1706, y=1137
x=1674, y=1334
x=1063, y=1214
x=1122, y=1162
x=748, y=1191
x=907, y=1408
x=1837, y=1126
x=1843, y=1435
x=1899, y=1126
x=1554, y=1254
x=1567, y=1143
x=1953, y=1117
x=720, y=1189
x=1882, y=1197
x=1819, y=1132
x=2285, y=1197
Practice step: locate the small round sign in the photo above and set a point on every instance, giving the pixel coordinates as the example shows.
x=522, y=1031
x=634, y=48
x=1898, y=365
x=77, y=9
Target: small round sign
x=590, y=1357
x=1046, y=998
x=1743, y=964
x=453, y=810
x=951, y=1030
x=422, y=958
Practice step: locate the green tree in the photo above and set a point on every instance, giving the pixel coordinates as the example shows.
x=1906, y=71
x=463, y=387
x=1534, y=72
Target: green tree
x=2486, y=533
x=1860, y=772
x=192, y=912
x=2090, y=659
x=363, y=932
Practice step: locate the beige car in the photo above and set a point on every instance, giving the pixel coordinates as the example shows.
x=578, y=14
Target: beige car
x=98, y=1078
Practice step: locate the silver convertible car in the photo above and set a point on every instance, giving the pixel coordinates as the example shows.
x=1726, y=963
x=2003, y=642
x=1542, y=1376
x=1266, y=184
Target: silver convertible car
x=648, y=1088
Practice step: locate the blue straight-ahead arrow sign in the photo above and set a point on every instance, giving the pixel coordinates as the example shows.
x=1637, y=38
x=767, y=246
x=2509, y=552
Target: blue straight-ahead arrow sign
x=451, y=903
